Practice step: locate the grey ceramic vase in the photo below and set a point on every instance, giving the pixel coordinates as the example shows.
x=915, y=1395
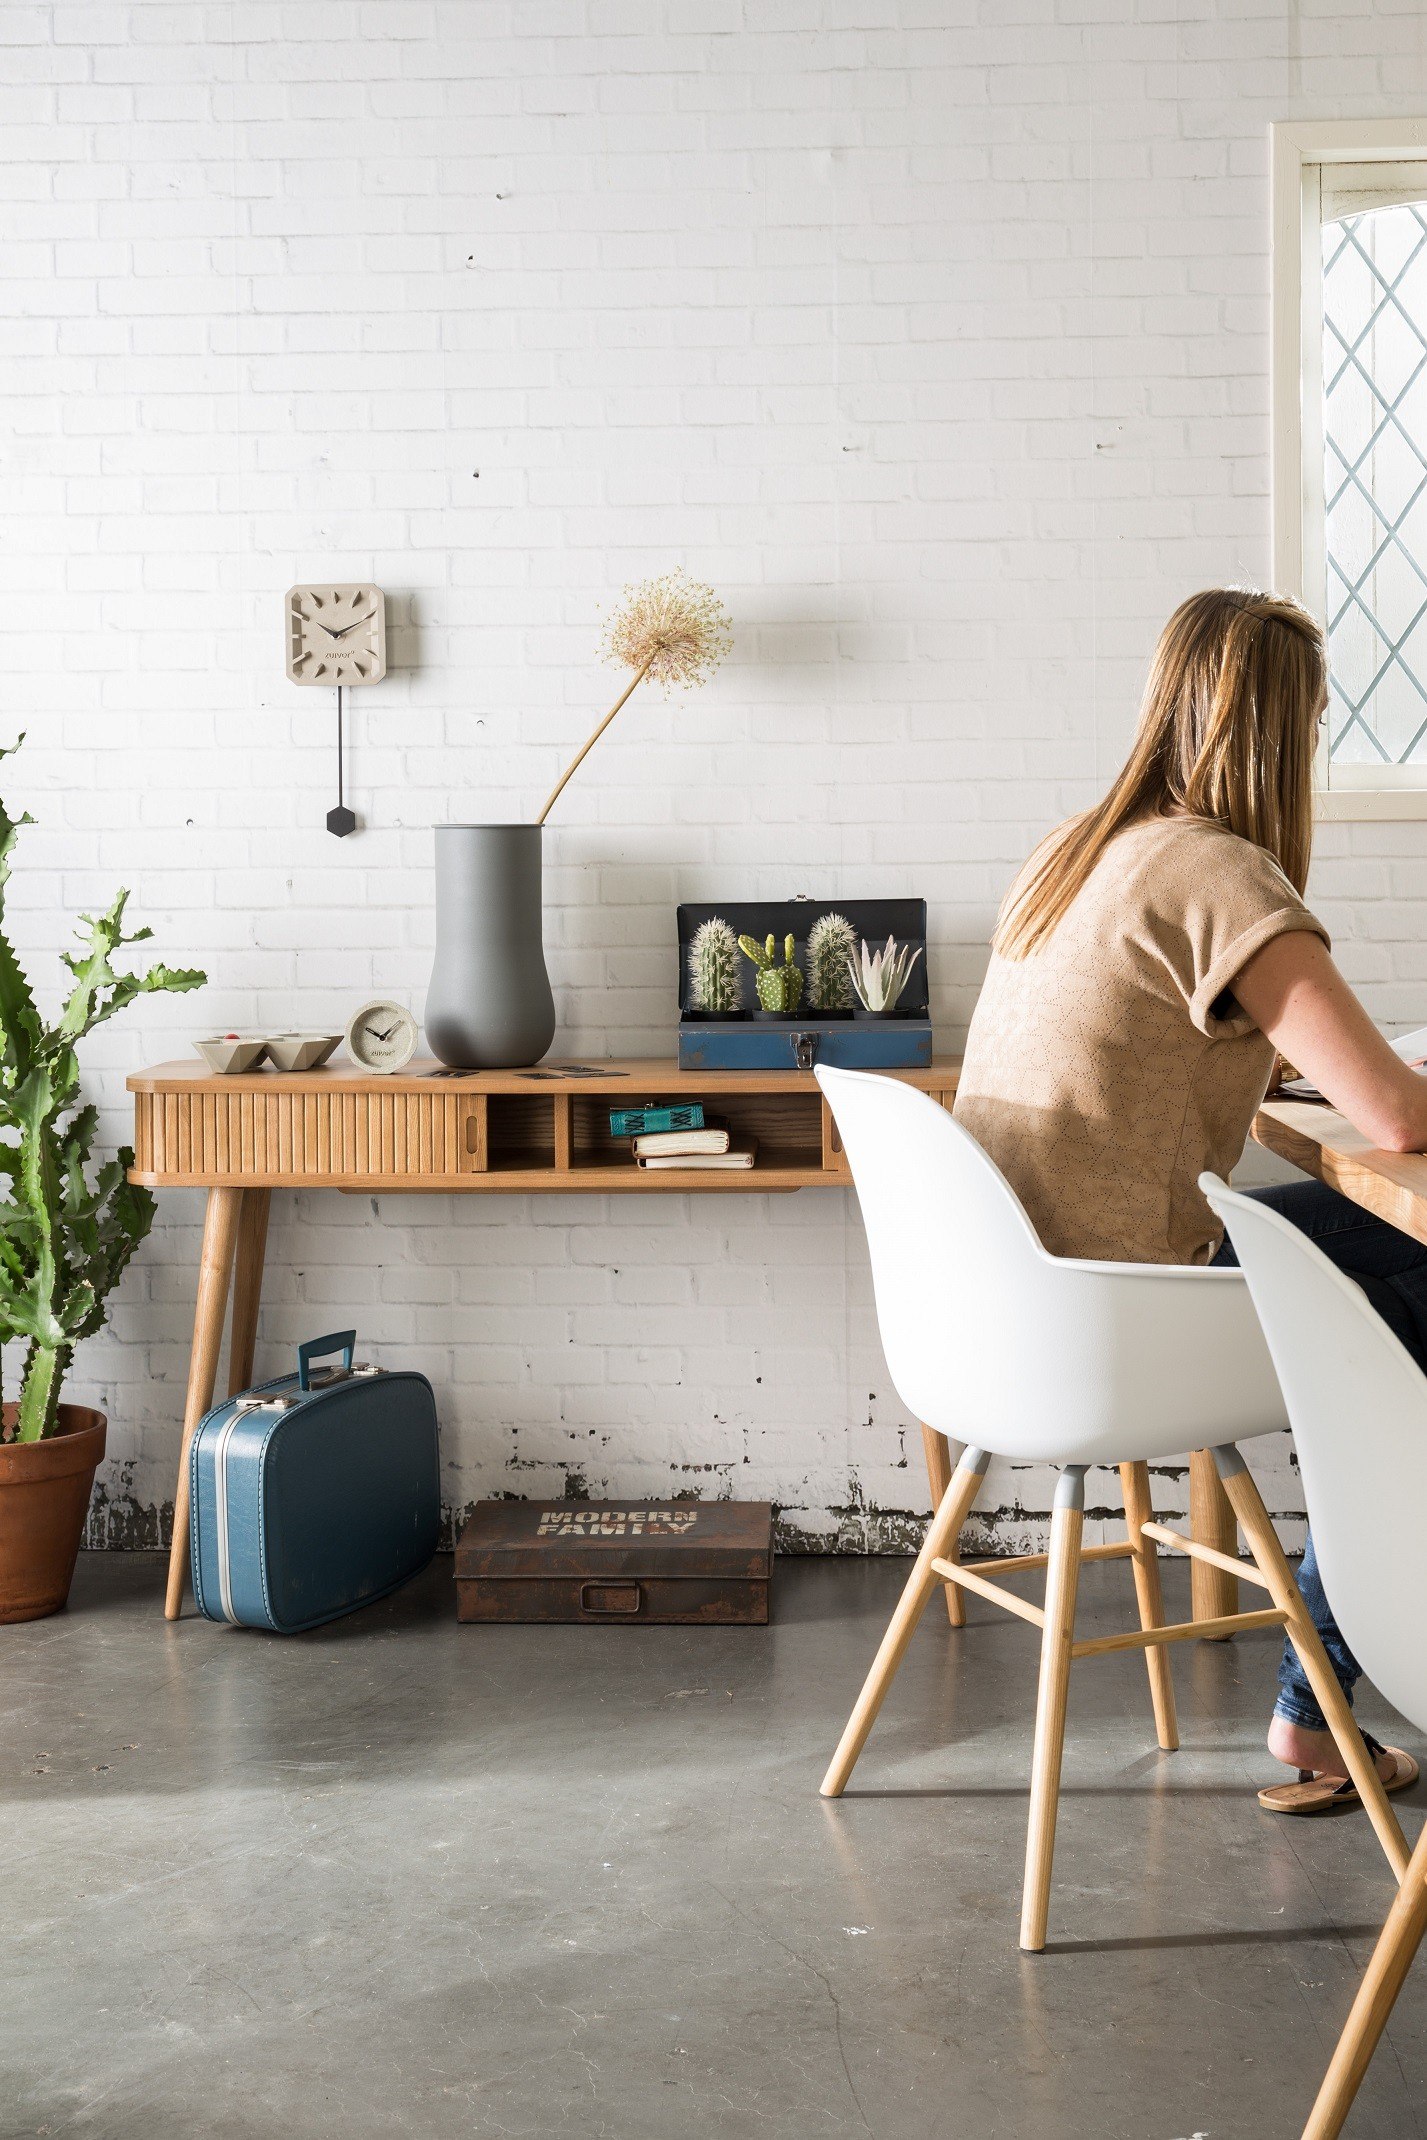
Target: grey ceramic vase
x=489, y=1006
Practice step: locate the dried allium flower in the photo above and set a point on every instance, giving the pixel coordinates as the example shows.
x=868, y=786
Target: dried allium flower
x=673, y=629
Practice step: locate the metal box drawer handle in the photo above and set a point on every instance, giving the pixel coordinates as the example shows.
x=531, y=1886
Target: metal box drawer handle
x=805, y=1048
x=628, y=1598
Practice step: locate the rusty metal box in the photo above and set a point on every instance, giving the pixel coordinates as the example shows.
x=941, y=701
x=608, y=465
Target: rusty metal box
x=618, y=1563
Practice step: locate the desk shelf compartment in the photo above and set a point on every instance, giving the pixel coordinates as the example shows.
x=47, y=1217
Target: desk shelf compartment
x=554, y=1140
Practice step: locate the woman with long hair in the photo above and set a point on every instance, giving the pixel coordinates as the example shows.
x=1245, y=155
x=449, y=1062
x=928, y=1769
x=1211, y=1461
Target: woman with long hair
x=1150, y=959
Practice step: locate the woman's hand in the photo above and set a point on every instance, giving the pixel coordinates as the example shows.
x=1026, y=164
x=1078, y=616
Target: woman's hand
x=1293, y=991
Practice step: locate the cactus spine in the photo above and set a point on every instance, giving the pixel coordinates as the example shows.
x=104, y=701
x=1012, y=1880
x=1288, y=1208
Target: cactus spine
x=780, y=988
x=832, y=943
x=713, y=967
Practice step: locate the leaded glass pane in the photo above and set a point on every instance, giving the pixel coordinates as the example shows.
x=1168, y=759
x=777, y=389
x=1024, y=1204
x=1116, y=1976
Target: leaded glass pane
x=1375, y=484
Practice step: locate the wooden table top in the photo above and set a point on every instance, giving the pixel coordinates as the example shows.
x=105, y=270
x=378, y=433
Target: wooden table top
x=1392, y=1185
x=621, y=1077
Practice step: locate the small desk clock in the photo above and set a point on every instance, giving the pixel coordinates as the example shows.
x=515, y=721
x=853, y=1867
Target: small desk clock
x=336, y=635
x=382, y=1036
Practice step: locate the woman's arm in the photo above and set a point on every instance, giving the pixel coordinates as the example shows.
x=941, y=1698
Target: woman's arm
x=1294, y=993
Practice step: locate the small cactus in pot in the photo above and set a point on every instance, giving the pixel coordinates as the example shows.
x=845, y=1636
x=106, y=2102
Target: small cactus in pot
x=714, y=984
x=832, y=944
x=780, y=988
x=883, y=975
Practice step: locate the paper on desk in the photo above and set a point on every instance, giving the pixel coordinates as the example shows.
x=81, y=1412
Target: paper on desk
x=1412, y=1047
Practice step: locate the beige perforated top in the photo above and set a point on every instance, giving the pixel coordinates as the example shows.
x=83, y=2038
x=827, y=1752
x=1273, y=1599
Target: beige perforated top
x=1104, y=1073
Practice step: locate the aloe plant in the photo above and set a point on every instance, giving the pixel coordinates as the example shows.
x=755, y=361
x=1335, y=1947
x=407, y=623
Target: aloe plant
x=831, y=943
x=883, y=974
x=65, y=1236
x=780, y=988
x=713, y=967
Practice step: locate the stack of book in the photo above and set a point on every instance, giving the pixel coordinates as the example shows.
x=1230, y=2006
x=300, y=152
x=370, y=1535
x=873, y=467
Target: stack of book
x=669, y=1138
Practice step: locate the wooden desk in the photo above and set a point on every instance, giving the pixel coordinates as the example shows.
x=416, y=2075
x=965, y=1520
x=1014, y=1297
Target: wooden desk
x=1392, y=1185
x=429, y=1130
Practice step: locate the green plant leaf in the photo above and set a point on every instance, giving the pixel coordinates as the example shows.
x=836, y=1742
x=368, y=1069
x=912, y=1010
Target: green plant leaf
x=66, y=1232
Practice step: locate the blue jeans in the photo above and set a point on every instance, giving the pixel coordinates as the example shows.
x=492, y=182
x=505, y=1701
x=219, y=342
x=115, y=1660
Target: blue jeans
x=1391, y=1268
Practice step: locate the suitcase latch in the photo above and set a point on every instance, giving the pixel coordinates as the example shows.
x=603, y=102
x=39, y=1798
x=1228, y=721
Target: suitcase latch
x=264, y=1404
x=805, y=1048
x=320, y=1377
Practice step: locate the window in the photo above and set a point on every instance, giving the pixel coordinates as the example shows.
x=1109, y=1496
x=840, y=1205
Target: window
x=1350, y=441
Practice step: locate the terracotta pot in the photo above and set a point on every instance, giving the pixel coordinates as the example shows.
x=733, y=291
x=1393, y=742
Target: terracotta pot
x=44, y=1499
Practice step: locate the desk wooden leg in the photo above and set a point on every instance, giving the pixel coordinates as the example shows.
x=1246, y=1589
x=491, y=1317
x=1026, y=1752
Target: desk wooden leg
x=215, y=1270
x=247, y=1287
x=1213, y=1595
x=938, y=1456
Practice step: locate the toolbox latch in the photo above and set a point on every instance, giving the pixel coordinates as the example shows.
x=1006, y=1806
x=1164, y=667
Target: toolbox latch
x=805, y=1048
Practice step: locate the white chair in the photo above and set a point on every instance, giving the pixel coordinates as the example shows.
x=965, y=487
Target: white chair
x=1357, y=1402
x=1021, y=1354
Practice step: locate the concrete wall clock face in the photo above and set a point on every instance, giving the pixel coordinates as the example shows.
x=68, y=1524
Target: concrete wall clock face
x=335, y=635
x=382, y=1036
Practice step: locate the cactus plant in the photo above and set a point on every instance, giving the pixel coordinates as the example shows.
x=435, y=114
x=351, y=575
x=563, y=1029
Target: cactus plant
x=780, y=988
x=713, y=967
x=832, y=942
x=883, y=974
x=64, y=1237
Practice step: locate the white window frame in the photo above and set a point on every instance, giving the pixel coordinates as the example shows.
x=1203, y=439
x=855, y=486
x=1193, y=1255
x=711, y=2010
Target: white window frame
x=1300, y=148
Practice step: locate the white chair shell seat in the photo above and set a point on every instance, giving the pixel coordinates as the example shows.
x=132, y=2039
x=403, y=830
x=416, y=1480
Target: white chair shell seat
x=1056, y=1359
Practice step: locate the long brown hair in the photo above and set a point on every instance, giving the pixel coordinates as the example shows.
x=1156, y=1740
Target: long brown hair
x=1227, y=732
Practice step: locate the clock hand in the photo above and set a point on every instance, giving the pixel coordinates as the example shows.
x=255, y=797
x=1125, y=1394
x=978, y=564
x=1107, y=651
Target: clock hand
x=378, y=1035
x=353, y=626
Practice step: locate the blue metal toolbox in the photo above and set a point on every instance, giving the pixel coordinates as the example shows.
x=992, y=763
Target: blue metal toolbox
x=313, y=1494
x=750, y=1039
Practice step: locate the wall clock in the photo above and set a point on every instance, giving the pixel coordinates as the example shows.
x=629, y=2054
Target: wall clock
x=336, y=635
x=382, y=1036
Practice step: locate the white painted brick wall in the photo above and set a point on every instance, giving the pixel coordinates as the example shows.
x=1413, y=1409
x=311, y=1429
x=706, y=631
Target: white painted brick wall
x=935, y=337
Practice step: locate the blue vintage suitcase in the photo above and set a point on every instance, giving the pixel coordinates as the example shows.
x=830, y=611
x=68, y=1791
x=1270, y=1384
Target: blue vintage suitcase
x=313, y=1494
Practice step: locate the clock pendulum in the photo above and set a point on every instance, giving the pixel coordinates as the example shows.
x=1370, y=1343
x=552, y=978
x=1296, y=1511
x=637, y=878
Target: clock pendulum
x=340, y=821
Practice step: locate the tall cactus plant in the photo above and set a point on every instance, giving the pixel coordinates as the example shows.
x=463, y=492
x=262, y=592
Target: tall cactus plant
x=831, y=943
x=65, y=1236
x=713, y=967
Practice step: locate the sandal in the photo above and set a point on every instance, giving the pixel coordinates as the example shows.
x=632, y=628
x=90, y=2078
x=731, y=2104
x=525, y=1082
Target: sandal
x=1315, y=1793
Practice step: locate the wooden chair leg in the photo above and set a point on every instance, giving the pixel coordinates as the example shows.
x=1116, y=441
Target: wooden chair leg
x=1247, y=1503
x=215, y=1270
x=955, y=1506
x=1391, y=1959
x=938, y=1455
x=1135, y=1485
x=1213, y=1594
x=1062, y=1581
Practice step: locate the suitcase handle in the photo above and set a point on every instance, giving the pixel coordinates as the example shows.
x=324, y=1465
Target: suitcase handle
x=343, y=1341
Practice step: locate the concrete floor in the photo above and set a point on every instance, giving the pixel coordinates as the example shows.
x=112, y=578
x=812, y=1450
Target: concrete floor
x=401, y=1877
